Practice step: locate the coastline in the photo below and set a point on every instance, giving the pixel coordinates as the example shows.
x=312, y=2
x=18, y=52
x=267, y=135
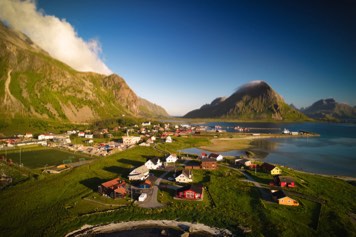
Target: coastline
x=186, y=227
x=245, y=139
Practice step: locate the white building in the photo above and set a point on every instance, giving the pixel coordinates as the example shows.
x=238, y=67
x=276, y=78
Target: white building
x=168, y=139
x=146, y=124
x=47, y=136
x=89, y=136
x=130, y=140
x=81, y=134
x=215, y=156
x=153, y=164
x=185, y=177
x=172, y=158
x=140, y=173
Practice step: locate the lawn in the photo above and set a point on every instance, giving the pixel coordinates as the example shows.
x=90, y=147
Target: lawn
x=36, y=158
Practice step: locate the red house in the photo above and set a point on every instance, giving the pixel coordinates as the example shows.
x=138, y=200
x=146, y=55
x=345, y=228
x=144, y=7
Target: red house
x=284, y=181
x=115, y=188
x=191, y=192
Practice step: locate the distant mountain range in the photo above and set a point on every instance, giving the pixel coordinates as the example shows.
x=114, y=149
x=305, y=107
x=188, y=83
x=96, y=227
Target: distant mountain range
x=329, y=109
x=253, y=101
x=33, y=84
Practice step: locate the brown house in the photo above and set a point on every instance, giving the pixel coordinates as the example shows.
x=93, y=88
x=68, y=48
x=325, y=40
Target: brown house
x=209, y=164
x=115, y=188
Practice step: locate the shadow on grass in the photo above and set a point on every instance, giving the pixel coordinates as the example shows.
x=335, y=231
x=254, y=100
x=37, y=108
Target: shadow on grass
x=133, y=163
x=92, y=183
x=120, y=171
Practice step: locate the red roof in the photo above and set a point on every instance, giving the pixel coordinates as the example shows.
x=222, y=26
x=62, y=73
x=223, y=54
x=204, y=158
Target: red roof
x=117, y=181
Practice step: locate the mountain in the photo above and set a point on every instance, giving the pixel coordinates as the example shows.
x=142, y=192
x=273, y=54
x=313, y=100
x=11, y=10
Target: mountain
x=253, y=101
x=33, y=84
x=329, y=109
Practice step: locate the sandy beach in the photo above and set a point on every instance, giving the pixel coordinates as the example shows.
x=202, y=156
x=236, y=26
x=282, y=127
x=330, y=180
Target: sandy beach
x=243, y=141
x=88, y=230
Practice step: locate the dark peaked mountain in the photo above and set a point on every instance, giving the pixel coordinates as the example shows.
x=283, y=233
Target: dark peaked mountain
x=253, y=101
x=329, y=109
x=33, y=84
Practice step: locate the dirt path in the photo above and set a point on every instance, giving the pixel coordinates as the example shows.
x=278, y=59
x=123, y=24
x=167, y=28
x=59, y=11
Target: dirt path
x=10, y=102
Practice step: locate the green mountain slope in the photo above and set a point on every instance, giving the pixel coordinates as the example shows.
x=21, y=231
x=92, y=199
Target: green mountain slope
x=33, y=84
x=253, y=101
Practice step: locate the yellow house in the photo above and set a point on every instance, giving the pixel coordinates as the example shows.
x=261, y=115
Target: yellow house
x=280, y=197
x=273, y=170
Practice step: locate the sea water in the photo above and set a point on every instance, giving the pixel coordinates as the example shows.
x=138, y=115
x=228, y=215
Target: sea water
x=333, y=153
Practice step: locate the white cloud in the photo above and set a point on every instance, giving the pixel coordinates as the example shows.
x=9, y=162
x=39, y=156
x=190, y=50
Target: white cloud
x=54, y=35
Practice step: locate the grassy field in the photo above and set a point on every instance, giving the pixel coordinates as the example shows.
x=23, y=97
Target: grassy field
x=52, y=205
x=37, y=157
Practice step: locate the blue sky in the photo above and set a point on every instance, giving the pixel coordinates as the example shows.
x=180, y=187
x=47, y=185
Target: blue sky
x=183, y=54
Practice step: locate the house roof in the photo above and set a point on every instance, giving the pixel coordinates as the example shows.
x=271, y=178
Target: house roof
x=207, y=160
x=197, y=188
x=154, y=160
x=268, y=166
x=213, y=155
x=113, y=182
x=120, y=190
x=278, y=194
x=287, y=179
x=140, y=170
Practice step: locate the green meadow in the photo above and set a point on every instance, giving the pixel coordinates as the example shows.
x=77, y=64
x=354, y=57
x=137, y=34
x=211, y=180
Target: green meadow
x=53, y=205
x=37, y=157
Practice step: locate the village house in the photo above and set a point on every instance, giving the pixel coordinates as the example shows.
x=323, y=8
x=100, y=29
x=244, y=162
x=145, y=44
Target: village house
x=169, y=139
x=209, y=164
x=46, y=136
x=144, y=124
x=243, y=163
x=185, y=177
x=140, y=173
x=215, y=156
x=89, y=136
x=153, y=164
x=28, y=135
x=273, y=170
x=81, y=134
x=280, y=197
x=284, y=181
x=145, y=184
x=115, y=188
x=192, y=165
x=130, y=140
x=191, y=192
x=172, y=158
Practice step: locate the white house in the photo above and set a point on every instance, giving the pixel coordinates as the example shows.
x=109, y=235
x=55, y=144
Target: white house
x=130, y=140
x=45, y=136
x=153, y=164
x=215, y=156
x=185, y=177
x=146, y=124
x=172, y=158
x=28, y=135
x=168, y=139
x=81, y=134
x=89, y=136
x=140, y=173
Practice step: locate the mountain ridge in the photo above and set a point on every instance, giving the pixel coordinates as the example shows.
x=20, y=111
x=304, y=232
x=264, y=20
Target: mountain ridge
x=330, y=109
x=253, y=101
x=32, y=83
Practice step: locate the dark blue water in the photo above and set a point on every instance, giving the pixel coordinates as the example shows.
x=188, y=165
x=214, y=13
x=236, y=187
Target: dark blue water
x=333, y=153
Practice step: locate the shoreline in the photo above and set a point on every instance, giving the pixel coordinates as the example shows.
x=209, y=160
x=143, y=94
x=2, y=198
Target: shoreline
x=186, y=227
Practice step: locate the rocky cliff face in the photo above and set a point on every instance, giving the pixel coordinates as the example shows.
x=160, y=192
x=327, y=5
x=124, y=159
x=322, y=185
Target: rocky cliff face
x=253, y=101
x=34, y=84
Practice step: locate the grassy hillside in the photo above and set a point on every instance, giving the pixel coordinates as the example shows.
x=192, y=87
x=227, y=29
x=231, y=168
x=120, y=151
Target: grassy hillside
x=52, y=205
